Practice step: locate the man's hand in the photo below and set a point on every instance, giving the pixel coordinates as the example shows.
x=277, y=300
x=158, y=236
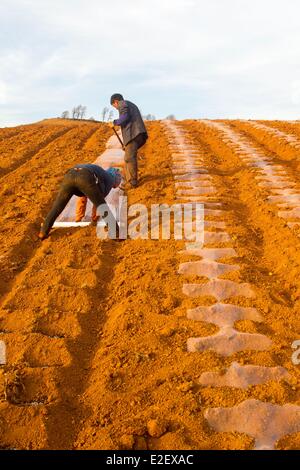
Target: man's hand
x=42, y=236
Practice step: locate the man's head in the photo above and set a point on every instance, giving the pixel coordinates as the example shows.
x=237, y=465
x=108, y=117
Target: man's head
x=116, y=176
x=115, y=98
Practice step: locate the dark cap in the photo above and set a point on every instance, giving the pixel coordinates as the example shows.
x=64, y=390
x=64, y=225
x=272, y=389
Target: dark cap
x=116, y=97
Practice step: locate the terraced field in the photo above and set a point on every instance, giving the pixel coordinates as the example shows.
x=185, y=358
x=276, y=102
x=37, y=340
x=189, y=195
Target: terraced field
x=150, y=344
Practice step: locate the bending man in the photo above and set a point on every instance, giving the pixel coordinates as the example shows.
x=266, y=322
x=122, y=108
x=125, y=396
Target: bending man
x=134, y=135
x=86, y=180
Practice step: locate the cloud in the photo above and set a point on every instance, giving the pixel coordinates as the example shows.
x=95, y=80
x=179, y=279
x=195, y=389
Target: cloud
x=190, y=58
x=3, y=93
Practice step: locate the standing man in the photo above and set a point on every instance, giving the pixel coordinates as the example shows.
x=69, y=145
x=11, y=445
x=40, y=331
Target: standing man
x=134, y=135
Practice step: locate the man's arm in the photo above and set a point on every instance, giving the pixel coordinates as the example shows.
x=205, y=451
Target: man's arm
x=124, y=114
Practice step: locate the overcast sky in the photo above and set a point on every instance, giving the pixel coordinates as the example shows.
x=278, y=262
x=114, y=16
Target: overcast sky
x=191, y=58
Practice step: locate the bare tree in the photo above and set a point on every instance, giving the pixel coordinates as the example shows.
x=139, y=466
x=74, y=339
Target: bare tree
x=76, y=112
x=65, y=115
x=110, y=115
x=82, y=111
x=149, y=117
x=171, y=117
x=79, y=107
x=105, y=110
x=92, y=118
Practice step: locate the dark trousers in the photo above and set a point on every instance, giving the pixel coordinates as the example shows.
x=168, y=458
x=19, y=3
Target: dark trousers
x=131, y=165
x=76, y=182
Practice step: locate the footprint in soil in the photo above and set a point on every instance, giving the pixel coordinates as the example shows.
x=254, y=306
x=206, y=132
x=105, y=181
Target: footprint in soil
x=114, y=381
x=14, y=389
x=282, y=297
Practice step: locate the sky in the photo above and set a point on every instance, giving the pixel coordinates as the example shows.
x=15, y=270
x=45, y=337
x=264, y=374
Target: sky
x=191, y=58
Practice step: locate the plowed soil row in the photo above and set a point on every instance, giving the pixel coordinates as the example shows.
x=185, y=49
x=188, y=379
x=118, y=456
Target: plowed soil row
x=256, y=231
x=28, y=191
x=281, y=151
x=18, y=149
x=289, y=127
x=279, y=245
x=96, y=331
x=8, y=132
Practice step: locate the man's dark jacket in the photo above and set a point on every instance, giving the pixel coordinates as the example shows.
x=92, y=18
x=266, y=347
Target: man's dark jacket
x=131, y=121
x=102, y=177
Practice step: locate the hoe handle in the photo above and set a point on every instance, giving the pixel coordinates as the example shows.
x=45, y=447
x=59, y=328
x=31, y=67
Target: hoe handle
x=123, y=147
